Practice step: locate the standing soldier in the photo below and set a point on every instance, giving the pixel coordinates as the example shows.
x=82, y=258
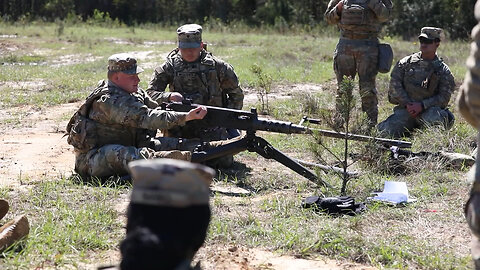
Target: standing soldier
x=421, y=86
x=357, y=50
x=468, y=103
x=194, y=73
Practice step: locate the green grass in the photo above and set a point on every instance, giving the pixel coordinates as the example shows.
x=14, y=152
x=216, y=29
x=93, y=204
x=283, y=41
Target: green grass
x=68, y=222
x=74, y=223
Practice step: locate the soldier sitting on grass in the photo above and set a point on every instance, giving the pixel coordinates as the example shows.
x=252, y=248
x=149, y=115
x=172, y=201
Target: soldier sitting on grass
x=421, y=86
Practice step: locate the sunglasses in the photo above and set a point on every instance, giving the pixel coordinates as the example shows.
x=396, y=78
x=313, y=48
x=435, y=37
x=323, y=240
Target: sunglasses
x=426, y=41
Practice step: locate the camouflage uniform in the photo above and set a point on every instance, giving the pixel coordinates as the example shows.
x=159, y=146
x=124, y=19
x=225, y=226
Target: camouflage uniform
x=357, y=50
x=414, y=79
x=114, y=127
x=468, y=103
x=207, y=81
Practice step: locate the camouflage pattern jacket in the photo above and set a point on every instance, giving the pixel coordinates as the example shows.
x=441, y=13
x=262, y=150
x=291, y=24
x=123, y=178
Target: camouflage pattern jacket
x=359, y=19
x=111, y=115
x=207, y=81
x=416, y=80
x=468, y=100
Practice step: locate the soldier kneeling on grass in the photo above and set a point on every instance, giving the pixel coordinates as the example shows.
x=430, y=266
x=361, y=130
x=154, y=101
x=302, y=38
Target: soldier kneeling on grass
x=168, y=215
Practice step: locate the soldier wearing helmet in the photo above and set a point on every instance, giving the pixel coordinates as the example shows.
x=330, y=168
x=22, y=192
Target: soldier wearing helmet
x=357, y=51
x=193, y=73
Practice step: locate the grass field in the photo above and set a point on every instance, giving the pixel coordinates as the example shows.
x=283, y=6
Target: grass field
x=75, y=225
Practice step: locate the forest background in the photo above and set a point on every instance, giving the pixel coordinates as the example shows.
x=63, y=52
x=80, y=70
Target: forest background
x=455, y=16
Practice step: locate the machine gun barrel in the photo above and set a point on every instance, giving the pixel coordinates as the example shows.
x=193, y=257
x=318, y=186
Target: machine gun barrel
x=249, y=121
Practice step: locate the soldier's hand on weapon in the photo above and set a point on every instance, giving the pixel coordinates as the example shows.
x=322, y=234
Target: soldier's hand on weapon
x=414, y=108
x=339, y=7
x=197, y=113
x=175, y=97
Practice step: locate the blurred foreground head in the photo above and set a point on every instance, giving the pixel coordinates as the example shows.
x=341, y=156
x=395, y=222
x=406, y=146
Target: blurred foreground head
x=168, y=215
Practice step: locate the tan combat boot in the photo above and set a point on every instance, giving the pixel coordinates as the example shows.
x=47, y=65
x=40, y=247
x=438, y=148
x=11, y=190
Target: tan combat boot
x=3, y=208
x=13, y=231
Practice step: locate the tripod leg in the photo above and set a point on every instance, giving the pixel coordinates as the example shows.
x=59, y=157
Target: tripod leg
x=266, y=150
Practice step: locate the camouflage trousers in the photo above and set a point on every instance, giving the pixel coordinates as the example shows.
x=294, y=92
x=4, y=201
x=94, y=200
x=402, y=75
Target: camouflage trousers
x=472, y=211
x=360, y=57
x=401, y=123
x=190, y=130
x=112, y=159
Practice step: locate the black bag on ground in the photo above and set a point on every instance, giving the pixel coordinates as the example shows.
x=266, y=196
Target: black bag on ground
x=343, y=205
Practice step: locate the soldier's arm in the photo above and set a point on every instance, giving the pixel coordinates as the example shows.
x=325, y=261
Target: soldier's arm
x=381, y=8
x=230, y=86
x=126, y=110
x=446, y=85
x=396, y=90
x=470, y=96
x=332, y=15
x=162, y=76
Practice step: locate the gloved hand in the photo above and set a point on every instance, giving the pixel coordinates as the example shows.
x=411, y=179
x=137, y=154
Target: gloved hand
x=334, y=205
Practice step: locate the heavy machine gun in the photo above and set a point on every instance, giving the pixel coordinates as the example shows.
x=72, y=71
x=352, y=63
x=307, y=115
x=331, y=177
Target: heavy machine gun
x=250, y=122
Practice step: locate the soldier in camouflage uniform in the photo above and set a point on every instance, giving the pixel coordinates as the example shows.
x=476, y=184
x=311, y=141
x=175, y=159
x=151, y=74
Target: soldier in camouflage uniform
x=194, y=73
x=360, y=22
x=118, y=123
x=468, y=103
x=421, y=86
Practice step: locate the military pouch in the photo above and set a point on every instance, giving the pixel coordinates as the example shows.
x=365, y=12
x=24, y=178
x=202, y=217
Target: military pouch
x=354, y=12
x=81, y=133
x=385, y=58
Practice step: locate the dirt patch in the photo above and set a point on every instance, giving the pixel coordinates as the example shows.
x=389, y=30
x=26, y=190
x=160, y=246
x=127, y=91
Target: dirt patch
x=26, y=85
x=232, y=257
x=72, y=59
x=37, y=149
x=281, y=92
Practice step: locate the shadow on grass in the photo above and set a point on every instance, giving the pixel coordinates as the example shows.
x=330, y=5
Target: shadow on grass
x=236, y=174
x=110, y=182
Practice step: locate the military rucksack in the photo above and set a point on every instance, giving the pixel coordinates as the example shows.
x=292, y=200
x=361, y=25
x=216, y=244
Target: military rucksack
x=81, y=131
x=355, y=12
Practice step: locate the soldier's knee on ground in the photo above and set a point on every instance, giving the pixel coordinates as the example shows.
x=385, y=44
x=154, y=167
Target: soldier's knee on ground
x=174, y=154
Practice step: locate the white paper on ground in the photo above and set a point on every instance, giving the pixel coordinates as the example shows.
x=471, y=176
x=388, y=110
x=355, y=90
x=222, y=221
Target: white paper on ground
x=393, y=192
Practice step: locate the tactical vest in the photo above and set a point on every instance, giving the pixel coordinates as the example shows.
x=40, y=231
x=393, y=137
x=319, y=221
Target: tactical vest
x=357, y=19
x=85, y=134
x=421, y=78
x=198, y=80
x=81, y=131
